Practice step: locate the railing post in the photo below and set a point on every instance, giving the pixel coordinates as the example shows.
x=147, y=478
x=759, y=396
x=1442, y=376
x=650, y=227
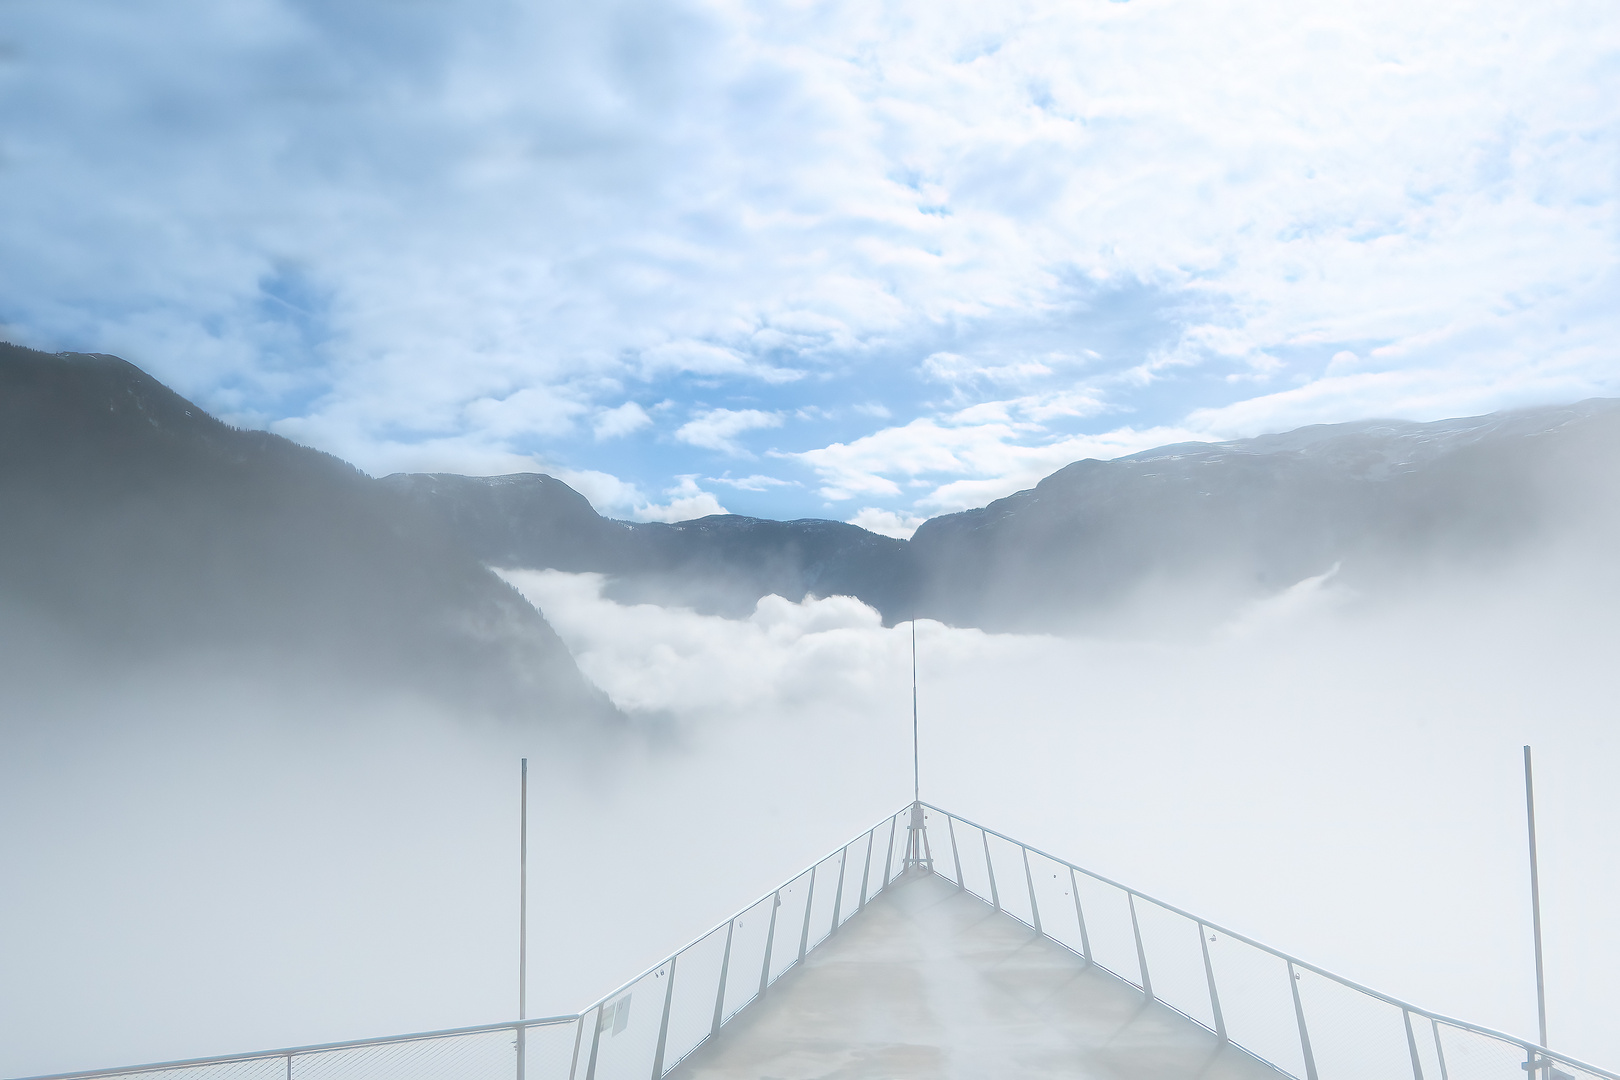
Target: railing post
x=1299, y=1015
x=1439, y=1051
x=995, y=897
x=770, y=940
x=809, y=902
x=1411, y=1046
x=579, y=1034
x=663, y=1021
x=522, y=1053
x=950, y=824
x=290, y=1057
x=838, y=897
x=888, y=857
x=720, y=994
x=1034, y=908
x=866, y=870
x=1080, y=917
x=1209, y=976
x=596, y=1042
x=1141, y=953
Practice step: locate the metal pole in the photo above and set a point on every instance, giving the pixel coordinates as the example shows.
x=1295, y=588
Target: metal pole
x=1299, y=1017
x=916, y=760
x=1029, y=880
x=720, y=991
x=1141, y=953
x=1535, y=897
x=955, y=855
x=663, y=1023
x=1411, y=1046
x=866, y=871
x=809, y=901
x=770, y=940
x=838, y=893
x=1080, y=917
x=523, y=894
x=990, y=868
x=1209, y=977
x=523, y=919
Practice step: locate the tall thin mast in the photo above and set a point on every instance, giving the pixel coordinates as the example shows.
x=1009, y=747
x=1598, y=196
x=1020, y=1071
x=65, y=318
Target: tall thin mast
x=523, y=896
x=1535, y=897
x=916, y=774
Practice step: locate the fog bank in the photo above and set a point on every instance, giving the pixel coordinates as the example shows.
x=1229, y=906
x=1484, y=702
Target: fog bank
x=208, y=859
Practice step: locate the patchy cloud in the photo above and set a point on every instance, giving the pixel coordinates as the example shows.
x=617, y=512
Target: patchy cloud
x=687, y=501
x=717, y=429
x=465, y=237
x=612, y=423
x=886, y=522
x=980, y=456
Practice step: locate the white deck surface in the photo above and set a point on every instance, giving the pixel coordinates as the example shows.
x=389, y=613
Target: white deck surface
x=929, y=981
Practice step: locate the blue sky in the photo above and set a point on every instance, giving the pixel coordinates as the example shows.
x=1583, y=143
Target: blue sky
x=864, y=261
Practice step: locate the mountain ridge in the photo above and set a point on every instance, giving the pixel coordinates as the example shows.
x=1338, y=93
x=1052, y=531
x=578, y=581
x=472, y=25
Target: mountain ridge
x=140, y=527
x=1382, y=497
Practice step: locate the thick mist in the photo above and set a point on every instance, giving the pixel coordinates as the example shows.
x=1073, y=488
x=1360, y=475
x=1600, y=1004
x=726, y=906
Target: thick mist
x=209, y=858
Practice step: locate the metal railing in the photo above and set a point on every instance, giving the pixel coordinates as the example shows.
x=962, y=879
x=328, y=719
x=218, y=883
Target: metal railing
x=642, y=1029
x=1298, y=1018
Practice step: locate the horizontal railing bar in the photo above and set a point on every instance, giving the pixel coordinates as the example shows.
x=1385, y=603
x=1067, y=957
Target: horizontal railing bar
x=1503, y=1036
x=739, y=914
x=314, y=1048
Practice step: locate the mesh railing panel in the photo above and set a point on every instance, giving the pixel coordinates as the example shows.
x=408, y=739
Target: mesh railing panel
x=1175, y=962
x=789, y=920
x=691, y=1012
x=1054, y=898
x=1009, y=864
x=1256, y=1002
x=255, y=1069
x=485, y=1056
x=829, y=884
x=747, y=956
x=1108, y=925
x=1352, y=1035
x=1472, y=1056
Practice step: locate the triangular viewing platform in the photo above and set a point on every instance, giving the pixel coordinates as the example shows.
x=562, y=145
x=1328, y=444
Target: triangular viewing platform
x=932, y=947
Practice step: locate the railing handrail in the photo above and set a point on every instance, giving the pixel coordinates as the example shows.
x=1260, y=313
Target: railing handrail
x=1528, y=1045
x=312, y=1048
x=739, y=913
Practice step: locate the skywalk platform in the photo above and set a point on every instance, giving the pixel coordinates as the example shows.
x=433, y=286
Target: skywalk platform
x=929, y=981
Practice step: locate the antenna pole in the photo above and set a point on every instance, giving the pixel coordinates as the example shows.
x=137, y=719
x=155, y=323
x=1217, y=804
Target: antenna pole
x=1535, y=897
x=918, y=853
x=523, y=916
x=916, y=774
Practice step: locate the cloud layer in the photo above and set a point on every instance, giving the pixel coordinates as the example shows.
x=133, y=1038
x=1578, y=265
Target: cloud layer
x=943, y=247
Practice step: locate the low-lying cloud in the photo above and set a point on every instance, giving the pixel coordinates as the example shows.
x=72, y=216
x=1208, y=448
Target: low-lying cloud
x=210, y=858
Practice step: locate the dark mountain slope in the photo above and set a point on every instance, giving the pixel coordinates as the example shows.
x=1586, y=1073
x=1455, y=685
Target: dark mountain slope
x=721, y=564
x=139, y=527
x=1200, y=527
x=1184, y=532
